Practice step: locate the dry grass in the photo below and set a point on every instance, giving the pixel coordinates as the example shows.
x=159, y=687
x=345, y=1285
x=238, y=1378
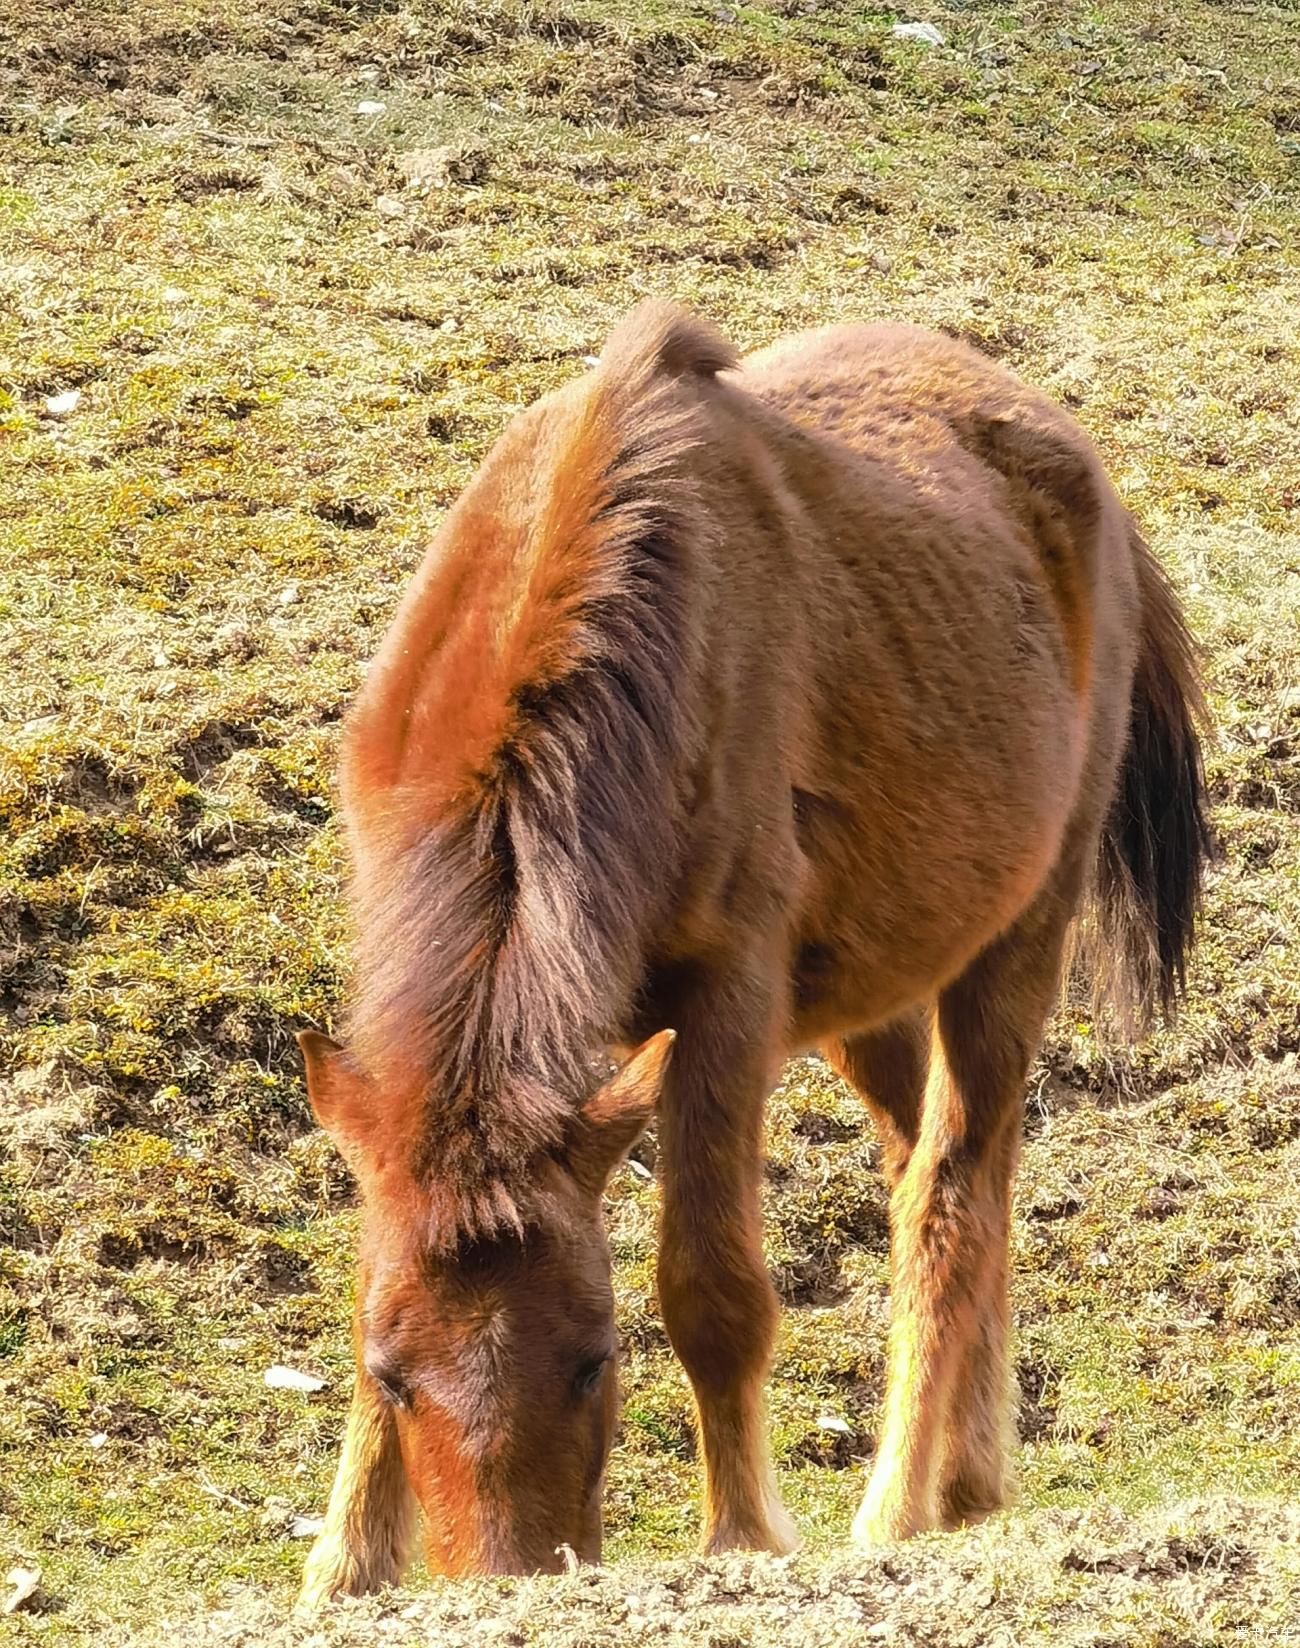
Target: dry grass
x=1206, y=1575
x=289, y=358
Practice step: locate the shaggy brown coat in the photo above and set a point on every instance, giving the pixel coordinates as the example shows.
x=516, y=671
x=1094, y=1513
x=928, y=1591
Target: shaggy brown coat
x=785, y=704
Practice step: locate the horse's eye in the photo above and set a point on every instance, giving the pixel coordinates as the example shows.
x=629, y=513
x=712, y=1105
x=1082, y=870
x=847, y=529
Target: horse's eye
x=394, y=1393
x=389, y=1383
x=586, y=1381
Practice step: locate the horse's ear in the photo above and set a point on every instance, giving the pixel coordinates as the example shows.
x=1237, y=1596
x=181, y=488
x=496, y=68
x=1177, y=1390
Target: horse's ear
x=610, y=1123
x=337, y=1091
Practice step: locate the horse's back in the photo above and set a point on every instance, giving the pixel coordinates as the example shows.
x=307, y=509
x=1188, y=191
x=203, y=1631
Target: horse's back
x=955, y=503
x=966, y=586
x=902, y=396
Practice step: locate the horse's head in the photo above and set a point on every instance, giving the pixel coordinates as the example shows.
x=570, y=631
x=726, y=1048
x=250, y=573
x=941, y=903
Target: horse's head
x=496, y=1354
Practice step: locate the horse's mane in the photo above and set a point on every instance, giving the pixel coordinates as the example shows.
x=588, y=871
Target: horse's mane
x=510, y=770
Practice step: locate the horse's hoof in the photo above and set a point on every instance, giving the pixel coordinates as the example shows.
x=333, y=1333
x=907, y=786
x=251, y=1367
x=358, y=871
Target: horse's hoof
x=784, y=1534
x=967, y=1510
x=883, y=1521
x=779, y=1538
x=331, y=1571
x=969, y=1498
x=315, y=1593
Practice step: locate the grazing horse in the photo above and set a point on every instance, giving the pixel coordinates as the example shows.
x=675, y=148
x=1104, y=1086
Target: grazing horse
x=737, y=708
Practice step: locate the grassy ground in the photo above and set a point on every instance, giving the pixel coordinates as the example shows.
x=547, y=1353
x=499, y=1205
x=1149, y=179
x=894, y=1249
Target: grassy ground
x=294, y=328
x=1208, y=1575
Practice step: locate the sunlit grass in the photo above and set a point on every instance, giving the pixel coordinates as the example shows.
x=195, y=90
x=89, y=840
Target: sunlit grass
x=289, y=360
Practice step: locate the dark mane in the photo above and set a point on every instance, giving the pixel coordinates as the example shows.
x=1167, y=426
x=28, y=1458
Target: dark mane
x=501, y=900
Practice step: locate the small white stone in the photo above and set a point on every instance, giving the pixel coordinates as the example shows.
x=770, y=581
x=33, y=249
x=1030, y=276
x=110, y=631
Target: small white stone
x=369, y=106
x=306, y=1527
x=26, y=1582
x=290, y=595
x=98, y=1439
x=280, y=1377
x=831, y=1422
x=925, y=33
x=59, y=406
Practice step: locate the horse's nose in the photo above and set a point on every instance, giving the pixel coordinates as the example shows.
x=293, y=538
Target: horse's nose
x=553, y=1556
x=518, y=1563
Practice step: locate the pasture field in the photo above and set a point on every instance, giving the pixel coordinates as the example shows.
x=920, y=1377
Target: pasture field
x=273, y=274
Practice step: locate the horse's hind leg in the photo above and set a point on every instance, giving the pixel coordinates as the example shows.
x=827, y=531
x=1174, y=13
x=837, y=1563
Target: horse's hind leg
x=719, y=1305
x=888, y=1068
x=942, y=1446
x=371, y=1516
x=976, y=1476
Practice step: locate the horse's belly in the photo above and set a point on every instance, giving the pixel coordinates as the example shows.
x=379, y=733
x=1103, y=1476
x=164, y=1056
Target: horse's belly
x=899, y=901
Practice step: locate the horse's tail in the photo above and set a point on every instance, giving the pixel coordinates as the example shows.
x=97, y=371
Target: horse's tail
x=1156, y=839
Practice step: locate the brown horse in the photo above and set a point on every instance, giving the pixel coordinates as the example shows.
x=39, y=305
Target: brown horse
x=796, y=702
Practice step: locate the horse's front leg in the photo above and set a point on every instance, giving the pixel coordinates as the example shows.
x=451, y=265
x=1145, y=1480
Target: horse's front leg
x=719, y=1305
x=942, y=1453
x=370, y=1520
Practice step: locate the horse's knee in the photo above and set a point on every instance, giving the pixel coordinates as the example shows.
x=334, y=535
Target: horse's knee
x=721, y=1317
